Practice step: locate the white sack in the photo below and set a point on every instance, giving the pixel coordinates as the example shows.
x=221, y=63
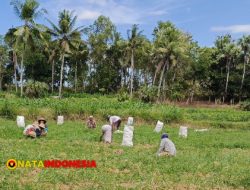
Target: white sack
x=130, y=121
x=128, y=136
x=158, y=127
x=20, y=121
x=183, y=132
x=60, y=120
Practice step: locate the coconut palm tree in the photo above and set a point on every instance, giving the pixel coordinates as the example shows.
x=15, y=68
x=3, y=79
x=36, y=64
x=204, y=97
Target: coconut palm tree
x=227, y=53
x=244, y=42
x=3, y=60
x=26, y=34
x=66, y=36
x=78, y=55
x=134, y=40
x=169, y=47
x=10, y=39
x=51, y=50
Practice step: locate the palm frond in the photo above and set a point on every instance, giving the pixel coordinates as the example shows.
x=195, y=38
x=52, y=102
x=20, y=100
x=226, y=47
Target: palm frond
x=72, y=23
x=40, y=13
x=55, y=30
x=17, y=5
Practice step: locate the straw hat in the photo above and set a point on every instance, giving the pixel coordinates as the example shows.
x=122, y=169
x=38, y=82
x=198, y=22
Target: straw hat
x=42, y=119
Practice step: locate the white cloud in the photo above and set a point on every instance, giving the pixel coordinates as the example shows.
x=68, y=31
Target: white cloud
x=98, y=2
x=119, y=11
x=232, y=29
x=88, y=15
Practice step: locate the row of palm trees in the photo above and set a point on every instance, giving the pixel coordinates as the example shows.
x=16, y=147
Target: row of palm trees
x=65, y=36
x=61, y=37
x=165, y=60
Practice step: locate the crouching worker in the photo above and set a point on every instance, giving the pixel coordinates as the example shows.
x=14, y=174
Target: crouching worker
x=42, y=127
x=91, y=124
x=30, y=130
x=106, y=136
x=38, y=128
x=115, y=121
x=167, y=147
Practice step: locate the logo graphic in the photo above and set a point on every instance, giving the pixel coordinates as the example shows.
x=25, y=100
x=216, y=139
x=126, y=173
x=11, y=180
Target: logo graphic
x=11, y=164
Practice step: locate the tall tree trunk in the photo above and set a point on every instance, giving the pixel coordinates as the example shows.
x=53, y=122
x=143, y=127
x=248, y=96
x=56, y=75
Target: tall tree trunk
x=15, y=68
x=145, y=78
x=164, y=88
x=227, y=80
x=122, y=78
x=161, y=80
x=154, y=77
x=52, y=76
x=192, y=92
x=246, y=59
x=125, y=77
x=21, y=76
x=1, y=77
x=61, y=77
x=76, y=78
x=132, y=74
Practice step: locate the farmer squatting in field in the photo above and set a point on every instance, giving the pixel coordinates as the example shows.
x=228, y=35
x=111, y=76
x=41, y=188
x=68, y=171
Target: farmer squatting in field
x=37, y=129
x=91, y=124
x=167, y=147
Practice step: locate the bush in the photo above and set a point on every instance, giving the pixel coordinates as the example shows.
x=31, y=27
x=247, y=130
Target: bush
x=245, y=105
x=35, y=89
x=172, y=114
x=122, y=95
x=8, y=110
x=148, y=94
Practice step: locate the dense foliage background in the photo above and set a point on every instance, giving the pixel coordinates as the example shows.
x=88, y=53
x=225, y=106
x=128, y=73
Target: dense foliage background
x=61, y=57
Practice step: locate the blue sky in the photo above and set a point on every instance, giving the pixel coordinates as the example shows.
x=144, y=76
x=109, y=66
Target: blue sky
x=204, y=19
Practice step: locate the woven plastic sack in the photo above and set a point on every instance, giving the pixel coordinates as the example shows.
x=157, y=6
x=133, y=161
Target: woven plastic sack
x=183, y=131
x=128, y=133
x=130, y=121
x=20, y=121
x=60, y=120
x=158, y=126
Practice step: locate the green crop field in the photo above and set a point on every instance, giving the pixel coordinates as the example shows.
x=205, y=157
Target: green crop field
x=216, y=159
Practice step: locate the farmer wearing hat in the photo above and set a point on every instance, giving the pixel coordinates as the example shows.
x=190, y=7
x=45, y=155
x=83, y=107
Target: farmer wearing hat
x=37, y=129
x=42, y=129
x=115, y=121
x=167, y=147
x=91, y=124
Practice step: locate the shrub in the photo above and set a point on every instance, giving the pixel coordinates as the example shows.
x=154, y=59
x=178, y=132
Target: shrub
x=33, y=111
x=148, y=93
x=8, y=110
x=35, y=89
x=172, y=114
x=122, y=95
x=245, y=105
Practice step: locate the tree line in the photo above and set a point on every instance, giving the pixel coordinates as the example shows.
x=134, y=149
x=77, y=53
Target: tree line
x=97, y=59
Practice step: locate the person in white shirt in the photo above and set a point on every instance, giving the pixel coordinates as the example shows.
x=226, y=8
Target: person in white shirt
x=106, y=136
x=167, y=147
x=115, y=121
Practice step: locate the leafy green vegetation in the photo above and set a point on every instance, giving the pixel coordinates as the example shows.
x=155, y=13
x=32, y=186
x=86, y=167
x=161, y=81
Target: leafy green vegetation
x=168, y=66
x=101, y=106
